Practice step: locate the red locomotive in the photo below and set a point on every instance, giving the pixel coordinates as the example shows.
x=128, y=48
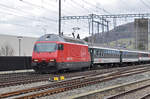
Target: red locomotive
x=53, y=53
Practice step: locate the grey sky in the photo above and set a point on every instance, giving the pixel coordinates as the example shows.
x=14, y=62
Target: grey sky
x=34, y=17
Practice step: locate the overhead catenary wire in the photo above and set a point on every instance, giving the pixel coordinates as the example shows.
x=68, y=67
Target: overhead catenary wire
x=97, y=7
x=38, y=6
x=64, y=11
x=78, y=4
x=45, y=8
x=70, y=7
x=21, y=13
x=145, y=4
x=28, y=18
x=22, y=25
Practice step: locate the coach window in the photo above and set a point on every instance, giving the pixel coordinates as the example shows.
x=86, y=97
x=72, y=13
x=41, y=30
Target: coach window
x=131, y=54
x=109, y=53
x=116, y=53
x=106, y=53
x=124, y=54
x=97, y=52
x=101, y=53
x=94, y=52
x=113, y=53
x=128, y=54
x=142, y=55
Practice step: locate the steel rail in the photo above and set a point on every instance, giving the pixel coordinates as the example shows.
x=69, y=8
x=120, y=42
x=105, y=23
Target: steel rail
x=80, y=84
x=76, y=81
x=128, y=92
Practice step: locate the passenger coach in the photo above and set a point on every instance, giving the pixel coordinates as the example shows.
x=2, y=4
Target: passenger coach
x=104, y=56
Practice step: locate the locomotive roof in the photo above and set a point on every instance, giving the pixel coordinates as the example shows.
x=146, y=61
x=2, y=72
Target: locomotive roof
x=112, y=48
x=54, y=37
x=101, y=46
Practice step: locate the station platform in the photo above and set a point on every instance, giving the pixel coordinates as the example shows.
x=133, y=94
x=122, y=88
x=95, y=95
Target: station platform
x=16, y=71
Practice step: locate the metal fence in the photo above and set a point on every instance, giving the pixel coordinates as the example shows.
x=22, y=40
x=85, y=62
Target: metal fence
x=15, y=63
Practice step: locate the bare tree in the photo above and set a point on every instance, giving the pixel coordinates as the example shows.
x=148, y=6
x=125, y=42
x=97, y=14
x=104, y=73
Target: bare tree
x=6, y=50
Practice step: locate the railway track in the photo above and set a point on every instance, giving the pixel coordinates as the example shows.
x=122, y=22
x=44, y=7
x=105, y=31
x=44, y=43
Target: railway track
x=136, y=93
x=147, y=96
x=131, y=90
x=25, y=78
x=58, y=87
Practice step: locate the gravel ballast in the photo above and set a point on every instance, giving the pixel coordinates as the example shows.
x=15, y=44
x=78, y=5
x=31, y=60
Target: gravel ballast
x=65, y=95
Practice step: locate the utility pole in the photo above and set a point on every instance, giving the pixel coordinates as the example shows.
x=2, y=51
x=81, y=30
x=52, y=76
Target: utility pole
x=19, y=38
x=59, y=24
x=107, y=32
x=92, y=41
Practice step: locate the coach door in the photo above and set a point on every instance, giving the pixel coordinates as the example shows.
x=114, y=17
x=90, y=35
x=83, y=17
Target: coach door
x=121, y=56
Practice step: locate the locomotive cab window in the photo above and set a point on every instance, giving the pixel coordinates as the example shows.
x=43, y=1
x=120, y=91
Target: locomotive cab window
x=45, y=47
x=60, y=47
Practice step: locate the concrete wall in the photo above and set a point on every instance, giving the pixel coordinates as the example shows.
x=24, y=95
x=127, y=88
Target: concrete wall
x=12, y=43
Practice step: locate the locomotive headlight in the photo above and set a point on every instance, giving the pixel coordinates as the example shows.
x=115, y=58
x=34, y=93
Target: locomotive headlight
x=51, y=60
x=35, y=60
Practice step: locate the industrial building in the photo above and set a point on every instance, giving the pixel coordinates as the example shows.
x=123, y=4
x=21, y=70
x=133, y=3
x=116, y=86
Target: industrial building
x=16, y=45
x=141, y=33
